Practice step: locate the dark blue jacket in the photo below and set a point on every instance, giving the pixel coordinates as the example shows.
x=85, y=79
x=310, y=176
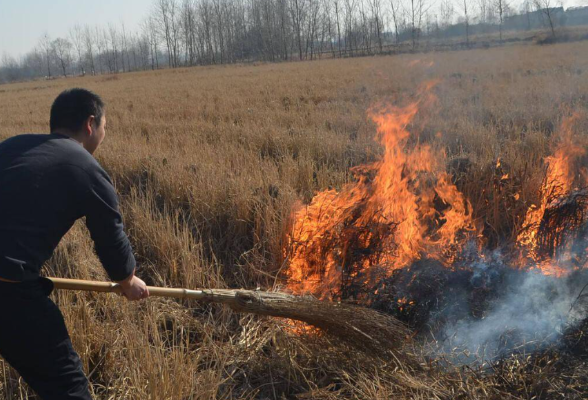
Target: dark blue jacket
x=47, y=182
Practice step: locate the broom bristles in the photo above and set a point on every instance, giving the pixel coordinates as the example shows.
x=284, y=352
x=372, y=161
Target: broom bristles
x=360, y=327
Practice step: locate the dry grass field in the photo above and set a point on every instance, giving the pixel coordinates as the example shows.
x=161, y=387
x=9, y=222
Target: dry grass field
x=209, y=163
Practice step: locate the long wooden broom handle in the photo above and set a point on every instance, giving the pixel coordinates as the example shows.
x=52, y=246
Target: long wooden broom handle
x=249, y=301
x=214, y=295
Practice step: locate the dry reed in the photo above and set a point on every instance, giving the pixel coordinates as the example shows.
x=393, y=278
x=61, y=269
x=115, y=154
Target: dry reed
x=210, y=161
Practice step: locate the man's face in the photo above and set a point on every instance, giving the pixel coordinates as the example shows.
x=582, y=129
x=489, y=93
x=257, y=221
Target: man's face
x=96, y=134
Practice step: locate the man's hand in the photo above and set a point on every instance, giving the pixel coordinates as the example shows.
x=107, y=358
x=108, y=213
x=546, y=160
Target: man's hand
x=134, y=288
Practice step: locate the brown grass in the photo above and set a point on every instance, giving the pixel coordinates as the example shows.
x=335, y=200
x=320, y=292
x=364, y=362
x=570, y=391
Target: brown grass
x=209, y=162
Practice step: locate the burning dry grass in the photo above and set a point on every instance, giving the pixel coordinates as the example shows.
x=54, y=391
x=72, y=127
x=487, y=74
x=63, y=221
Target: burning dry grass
x=210, y=162
x=399, y=209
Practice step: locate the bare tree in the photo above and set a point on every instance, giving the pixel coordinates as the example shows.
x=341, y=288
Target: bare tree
x=417, y=10
x=76, y=35
x=219, y=23
x=312, y=28
x=143, y=50
x=124, y=47
x=447, y=11
x=35, y=61
x=298, y=15
x=46, y=47
x=167, y=16
x=10, y=71
x=395, y=5
x=485, y=10
x=376, y=11
x=188, y=28
x=101, y=40
x=328, y=28
x=548, y=10
x=113, y=38
x=337, y=7
x=175, y=30
x=501, y=7
x=325, y=29
x=466, y=14
x=150, y=33
x=350, y=25
x=526, y=9
x=89, y=47
x=206, y=31
x=132, y=51
x=62, y=51
x=162, y=11
x=190, y=32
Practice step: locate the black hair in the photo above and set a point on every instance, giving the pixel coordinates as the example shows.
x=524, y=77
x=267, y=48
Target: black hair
x=73, y=107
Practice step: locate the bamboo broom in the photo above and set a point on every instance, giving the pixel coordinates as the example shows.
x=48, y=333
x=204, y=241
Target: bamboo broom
x=361, y=327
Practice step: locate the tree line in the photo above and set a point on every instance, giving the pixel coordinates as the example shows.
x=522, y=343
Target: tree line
x=180, y=33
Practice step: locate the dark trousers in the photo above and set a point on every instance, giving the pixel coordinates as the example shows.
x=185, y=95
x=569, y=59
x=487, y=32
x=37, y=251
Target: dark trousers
x=35, y=342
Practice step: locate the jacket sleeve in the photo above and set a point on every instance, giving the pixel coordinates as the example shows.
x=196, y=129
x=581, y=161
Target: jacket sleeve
x=104, y=222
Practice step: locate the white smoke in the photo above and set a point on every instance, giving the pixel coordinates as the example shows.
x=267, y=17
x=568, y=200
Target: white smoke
x=532, y=312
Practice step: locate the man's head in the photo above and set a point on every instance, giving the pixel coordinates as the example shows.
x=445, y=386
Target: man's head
x=79, y=113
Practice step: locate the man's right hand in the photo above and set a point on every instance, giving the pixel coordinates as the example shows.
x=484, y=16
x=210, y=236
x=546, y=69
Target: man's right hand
x=134, y=288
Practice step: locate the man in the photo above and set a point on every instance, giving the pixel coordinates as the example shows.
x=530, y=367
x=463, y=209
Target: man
x=47, y=182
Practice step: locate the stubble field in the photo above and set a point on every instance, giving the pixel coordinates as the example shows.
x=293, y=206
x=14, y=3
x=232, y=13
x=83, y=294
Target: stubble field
x=209, y=163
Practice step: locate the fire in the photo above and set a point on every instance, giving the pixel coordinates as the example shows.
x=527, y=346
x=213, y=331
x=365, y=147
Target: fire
x=401, y=238
x=399, y=208
x=403, y=302
x=543, y=238
x=404, y=207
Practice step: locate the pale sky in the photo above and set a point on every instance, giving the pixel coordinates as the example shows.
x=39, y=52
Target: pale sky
x=23, y=22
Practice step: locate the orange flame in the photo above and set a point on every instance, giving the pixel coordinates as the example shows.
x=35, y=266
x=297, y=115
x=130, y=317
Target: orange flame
x=399, y=209
x=561, y=177
x=405, y=207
